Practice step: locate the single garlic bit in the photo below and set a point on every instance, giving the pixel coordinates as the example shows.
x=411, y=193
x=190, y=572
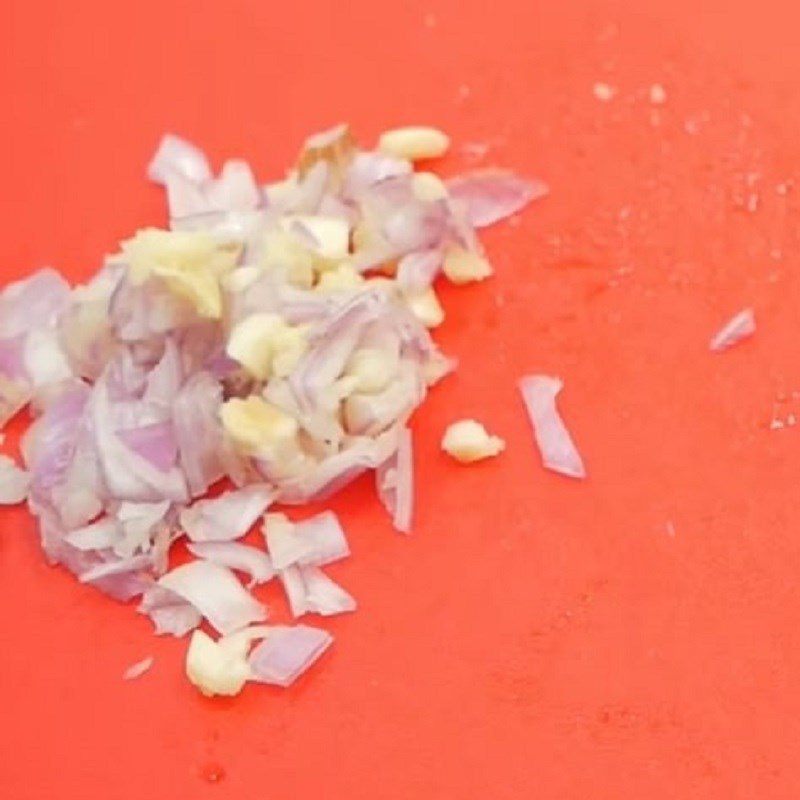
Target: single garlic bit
x=465, y=266
x=467, y=441
x=215, y=668
x=414, y=143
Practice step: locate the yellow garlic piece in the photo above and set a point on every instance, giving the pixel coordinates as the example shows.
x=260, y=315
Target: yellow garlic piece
x=264, y=345
x=467, y=441
x=258, y=427
x=371, y=368
x=428, y=187
x=426, y=307
x=414, y=143
x=339, y=279
x=191, y=263
x=464, y=266
x=214, y=668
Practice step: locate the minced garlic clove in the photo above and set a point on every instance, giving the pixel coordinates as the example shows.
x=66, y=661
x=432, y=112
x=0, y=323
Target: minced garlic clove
x=191, y=264
x=428, y=187
x=371, y=368
x=257, y=427
x=467, y=441
x=414, y=143
x=215, y=669
x=265, y=345
x=340, y=279
x=465, y=266
x=426, y=307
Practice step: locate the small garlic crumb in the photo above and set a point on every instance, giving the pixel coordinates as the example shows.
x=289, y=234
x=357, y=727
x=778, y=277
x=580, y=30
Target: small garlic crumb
x=215, y=669
x=332, y=234
x=428, y=187
x=414, y=143
x=658, y=95
x=467, y=441
x=264, y=344
x=191, y=264
x=371, y=368
x=343, y=277
x=281, y=252
x=603, y=91
x=258, y=427
x=465, y=266
x=426, y=307
x=241, y=278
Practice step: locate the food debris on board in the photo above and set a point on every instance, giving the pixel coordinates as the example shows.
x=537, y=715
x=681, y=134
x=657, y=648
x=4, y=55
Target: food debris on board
x=275, y=337
x=138, y=669
x=555, y=444
x=468, y=440
x=739, y=327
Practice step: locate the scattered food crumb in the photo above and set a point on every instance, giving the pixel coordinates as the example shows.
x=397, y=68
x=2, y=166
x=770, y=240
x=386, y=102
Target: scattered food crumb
x=603, y=91
x=658, y=95
x=212, y=772
x=670, y=528
x=467, y=441
x=740, y=326
x=138, y=669
x=475, y=150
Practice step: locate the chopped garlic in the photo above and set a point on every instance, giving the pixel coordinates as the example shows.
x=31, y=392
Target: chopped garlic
x=332, y=234
x=465, y=266
x=289, y=345
x=603, y=91
x=258, y=427
x=414, y=143
x=283, y=253
x=426, y=307
x=191, y=263
x=371, y=368
x=467, y=441
x=343, y=277
x=264, y=344
x=428, y=187
x=241, y=278
x=214, y=668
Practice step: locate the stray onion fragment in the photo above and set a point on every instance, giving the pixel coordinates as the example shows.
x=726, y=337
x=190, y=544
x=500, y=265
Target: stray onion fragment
x=740, y=326
x=558, y=451
x=269, y=345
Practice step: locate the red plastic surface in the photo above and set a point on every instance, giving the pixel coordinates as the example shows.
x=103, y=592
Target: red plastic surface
x=635, y=635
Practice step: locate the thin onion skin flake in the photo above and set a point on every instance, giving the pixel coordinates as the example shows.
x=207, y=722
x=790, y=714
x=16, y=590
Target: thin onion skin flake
x=555, y=444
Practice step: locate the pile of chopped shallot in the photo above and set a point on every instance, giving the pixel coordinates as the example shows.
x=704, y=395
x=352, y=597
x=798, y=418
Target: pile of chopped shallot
x=270, y=346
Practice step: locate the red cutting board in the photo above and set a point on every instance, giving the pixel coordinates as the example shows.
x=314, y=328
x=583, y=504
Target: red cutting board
x=635, y=635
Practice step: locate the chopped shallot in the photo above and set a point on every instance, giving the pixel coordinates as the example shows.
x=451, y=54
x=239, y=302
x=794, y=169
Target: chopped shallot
x=234, y=555
x=287, y=652
x=214, y=591
x=271, y=337
x=316, y=541
x=228, y=516
x=558, y=451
